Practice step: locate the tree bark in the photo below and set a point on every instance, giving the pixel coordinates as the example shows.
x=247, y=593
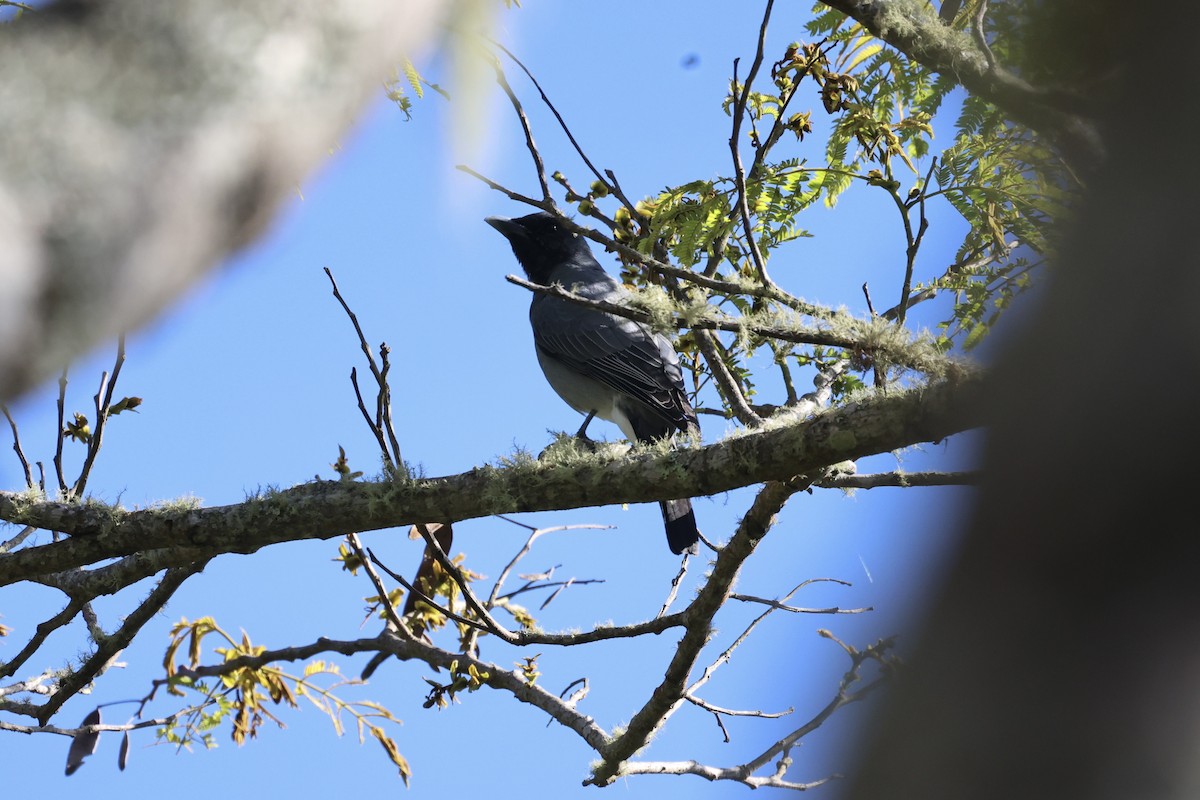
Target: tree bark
x=147, y=141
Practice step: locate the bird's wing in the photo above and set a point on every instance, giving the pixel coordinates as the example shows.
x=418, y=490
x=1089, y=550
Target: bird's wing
x=622, y=354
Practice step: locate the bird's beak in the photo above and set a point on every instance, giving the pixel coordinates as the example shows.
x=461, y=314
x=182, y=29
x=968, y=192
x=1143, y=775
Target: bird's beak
x=511, y=229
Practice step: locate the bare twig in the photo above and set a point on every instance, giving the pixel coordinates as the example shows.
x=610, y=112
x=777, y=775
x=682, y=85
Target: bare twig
x=669, y=694
x=17, y=446
x=711, y=773
x=781, y=749
x=383, y=409
x=103, y=403
x=776, y=604
x=410, y=649
x=731, y=389
x=965, y=268
x=530, y=145
x=62, y=432
x=676, y=582
x=725, y=655
x=84, y=729
x=914, y=241
x=899, y=479
x=456, y=575
x=980, y=36
x=844, y=696
x=111, y=645
x=734, y=712
x=613, y=186
x=534, y=586
x=510, y=194
x=368, y=561
x=738, y=112
x=425, y=598
x=376, y=430
x=43, y=630
x=8, y=545
x=382, y=424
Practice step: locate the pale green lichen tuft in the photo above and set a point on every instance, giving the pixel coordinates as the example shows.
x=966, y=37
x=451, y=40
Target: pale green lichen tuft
x=188, y=502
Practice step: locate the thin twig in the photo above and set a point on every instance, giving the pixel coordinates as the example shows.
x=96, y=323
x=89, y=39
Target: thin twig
x=676, y=582
x=384, y=405
x=383, y=417
x=738, y=112
x=17, y=446
x=734, y=712
x=103, y=403
x=900, y=479
x=969, y=267
x=366, y=415
x=668, y=695
x=843, y=697
x=456, y=575
x=425, y=598
x=731, y=389
x=108, y=649
x=530, y=145
x=389, y=610
x=914, y=243
x=62, y=432
x=84, y=729
x=919, y=357
x=980, y=37
x=613, y=187
x=789, y=386
x=43, y=630
x=535, y=534
x=8, y=545
x=533, y=587
x=776, y=604
x=498, y=677
x=727, y=654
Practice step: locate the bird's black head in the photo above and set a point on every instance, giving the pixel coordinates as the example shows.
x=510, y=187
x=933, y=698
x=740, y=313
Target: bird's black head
x=541, y=243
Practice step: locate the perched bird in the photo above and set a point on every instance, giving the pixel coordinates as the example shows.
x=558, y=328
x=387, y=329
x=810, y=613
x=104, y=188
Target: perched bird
x=600, y=364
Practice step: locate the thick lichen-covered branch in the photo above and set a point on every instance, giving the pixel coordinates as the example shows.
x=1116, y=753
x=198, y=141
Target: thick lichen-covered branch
x=783, y=447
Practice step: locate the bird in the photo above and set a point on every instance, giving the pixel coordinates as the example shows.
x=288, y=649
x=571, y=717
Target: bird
x=600, y=364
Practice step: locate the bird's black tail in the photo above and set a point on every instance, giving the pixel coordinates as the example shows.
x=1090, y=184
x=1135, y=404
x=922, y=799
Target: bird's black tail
x=680, y=523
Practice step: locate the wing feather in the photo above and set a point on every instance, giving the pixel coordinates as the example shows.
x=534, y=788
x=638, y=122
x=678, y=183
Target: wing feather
x=619, y=353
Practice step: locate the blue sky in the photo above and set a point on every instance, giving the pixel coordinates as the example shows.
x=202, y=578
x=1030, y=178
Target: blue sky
x=245, y=383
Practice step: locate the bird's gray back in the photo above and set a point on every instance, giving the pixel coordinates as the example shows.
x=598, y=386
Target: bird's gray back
x=618, y=352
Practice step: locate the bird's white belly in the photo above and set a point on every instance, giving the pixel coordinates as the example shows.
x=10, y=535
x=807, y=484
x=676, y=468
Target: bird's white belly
x=584, y=394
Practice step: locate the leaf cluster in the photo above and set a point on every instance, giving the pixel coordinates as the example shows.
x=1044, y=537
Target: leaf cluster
x=243, y=694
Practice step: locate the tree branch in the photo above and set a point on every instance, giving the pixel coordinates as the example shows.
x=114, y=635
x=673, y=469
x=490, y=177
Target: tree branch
x=166, y=158
x=889, y=343
x=874, y=424
x=415, y=649
x=711, y=597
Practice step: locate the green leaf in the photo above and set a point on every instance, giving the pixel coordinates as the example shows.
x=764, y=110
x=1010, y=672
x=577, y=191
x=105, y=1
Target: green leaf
x=414, y=78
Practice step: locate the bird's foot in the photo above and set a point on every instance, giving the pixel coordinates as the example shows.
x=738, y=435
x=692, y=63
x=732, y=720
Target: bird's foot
x=586, y=442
